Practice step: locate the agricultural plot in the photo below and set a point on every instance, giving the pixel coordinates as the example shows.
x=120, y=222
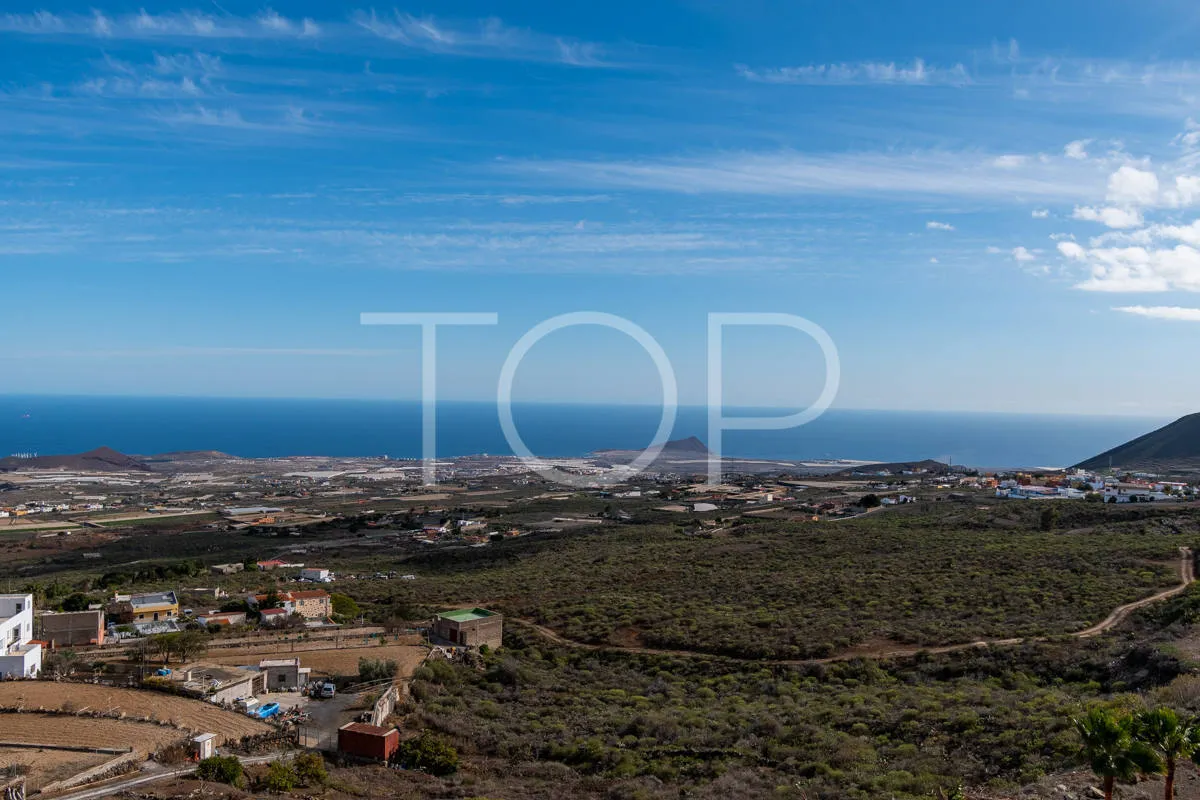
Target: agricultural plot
x=180, y=712
x=335, y=662
x=47, y=766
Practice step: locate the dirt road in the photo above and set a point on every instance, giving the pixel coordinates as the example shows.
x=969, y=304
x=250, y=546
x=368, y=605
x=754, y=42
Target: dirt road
x=1120, y=614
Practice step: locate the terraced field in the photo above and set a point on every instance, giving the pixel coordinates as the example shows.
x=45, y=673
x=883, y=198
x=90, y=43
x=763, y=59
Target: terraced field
x=190, y=715
x=47, y=766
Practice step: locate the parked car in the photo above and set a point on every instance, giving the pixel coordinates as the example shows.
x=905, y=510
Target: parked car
x=328, y=690
x=267, y=711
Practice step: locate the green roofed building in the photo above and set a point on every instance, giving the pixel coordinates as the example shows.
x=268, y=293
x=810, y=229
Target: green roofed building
x=470, y=627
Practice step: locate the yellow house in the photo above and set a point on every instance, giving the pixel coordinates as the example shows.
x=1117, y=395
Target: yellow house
x=155, y=607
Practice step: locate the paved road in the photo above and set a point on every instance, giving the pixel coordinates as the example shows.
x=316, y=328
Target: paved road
x=1120, y=614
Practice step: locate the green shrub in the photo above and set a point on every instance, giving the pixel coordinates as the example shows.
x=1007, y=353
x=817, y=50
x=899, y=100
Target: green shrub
x=376, y=669
x=310, y=769
x=220, y=769
x=427, y=753
x=280, y=777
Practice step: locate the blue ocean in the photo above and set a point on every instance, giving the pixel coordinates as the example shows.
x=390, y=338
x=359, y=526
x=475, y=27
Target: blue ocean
x=274, y=427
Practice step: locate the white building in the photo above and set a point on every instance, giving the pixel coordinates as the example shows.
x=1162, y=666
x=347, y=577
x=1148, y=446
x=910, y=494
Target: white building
x=19, y=658
x=316, y=575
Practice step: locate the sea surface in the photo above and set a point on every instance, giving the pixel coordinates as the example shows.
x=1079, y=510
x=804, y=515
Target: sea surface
x=275, y=427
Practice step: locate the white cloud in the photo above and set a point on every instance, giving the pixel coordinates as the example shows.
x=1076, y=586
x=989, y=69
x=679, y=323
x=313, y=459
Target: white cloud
x=933, y=260
x=934, y=225
x=863, y=72
x=1077, y=149
x=144, y=25
x=1041, y=213
x=935, y=173
x=488, y=38
x=1010, y=161
x=1072, y=250
x=1132, y=186
x=1141, y=269
x=993, y=250
x=1023, y=255
x=1120, y=218
x=1162, y=312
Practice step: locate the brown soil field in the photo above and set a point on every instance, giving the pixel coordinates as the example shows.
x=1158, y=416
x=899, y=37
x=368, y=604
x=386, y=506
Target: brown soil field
x=47, y=766
x=182, y=712
x=332, y=662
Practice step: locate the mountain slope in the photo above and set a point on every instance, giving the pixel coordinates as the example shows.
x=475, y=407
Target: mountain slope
x=102, y=459
x=1174, y=447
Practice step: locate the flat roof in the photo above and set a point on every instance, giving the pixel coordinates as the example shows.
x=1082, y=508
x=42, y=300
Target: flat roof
x=362, y=727
x=279, y=662
x=466, y=614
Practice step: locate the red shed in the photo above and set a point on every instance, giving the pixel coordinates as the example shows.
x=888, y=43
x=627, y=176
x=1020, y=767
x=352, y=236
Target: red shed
x=368, y=741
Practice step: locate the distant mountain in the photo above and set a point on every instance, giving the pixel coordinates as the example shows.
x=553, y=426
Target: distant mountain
x=928, y=466
x=690, y=446
x=102, y=459
x=1172, y=448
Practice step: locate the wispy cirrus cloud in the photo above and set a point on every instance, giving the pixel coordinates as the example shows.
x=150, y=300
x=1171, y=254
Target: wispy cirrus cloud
x=169, y=25
x=918, y=73
x=1162, y=312
x=925, y=173
x=487, y=38
x=364, y=31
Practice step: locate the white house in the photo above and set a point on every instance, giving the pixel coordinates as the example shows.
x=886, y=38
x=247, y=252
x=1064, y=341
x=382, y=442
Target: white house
x=316, y=575
x=19, y=658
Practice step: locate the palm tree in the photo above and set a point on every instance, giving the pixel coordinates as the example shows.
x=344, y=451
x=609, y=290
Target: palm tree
x=1111, y=749
x=1172, y=737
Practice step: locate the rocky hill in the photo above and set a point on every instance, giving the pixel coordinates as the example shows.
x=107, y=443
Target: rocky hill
x=102, y=459
x=1172, y=448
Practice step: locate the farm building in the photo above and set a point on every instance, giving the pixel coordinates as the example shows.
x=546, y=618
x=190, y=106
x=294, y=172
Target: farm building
x=471, y=627
x=72, y=629
x=20, y=657
x=283, y=673
x=219, y=684
x=368, y=741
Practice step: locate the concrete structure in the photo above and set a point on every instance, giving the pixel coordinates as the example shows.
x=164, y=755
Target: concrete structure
x=72, y=629
x=220, y=684
x=368, y=741
x=316, y=575
x=204, y=746
x=226, y=569
x=471, y=627
x=283, y=674
x=274, y=616
x=20, y=657
x=156, y=607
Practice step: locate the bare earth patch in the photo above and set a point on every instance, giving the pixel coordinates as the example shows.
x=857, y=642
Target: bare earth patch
x=334, y=662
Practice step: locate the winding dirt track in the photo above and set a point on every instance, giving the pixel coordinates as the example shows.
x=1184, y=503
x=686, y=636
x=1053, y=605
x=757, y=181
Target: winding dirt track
x=1186, y=577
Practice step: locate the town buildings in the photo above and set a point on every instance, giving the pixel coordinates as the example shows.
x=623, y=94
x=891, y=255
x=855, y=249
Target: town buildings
x=20, y=656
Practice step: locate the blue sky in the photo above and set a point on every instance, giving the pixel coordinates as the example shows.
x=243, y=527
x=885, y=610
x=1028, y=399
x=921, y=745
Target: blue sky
x=987, y=207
